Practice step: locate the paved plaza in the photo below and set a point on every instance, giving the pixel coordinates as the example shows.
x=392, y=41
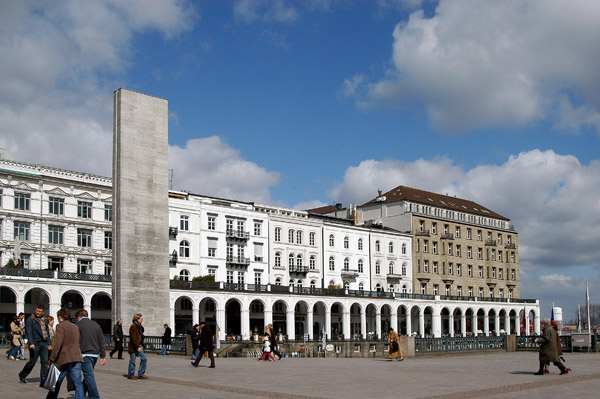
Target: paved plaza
x=490, y=375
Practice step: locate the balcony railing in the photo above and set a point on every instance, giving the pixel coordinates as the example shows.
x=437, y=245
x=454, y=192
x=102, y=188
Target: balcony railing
x=9, y=271
x=237, y=234
x=239, y=261
x=299, y=269
x=395, y=276
x=422, y=233
x=447, y=236
x=349, y=273
x=85, y=277
x=510, y=246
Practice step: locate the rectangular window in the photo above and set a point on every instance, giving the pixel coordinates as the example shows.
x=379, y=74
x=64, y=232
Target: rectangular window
x=55, y=263
x=459, y=290
x=84, y=237
x=493, y=272
x=434, y=247
x=212, y=252
x=435, y=268
x=56, y=206
x=257, y=228
x=481, y=292
x=257, y=278
x=26, y=261
x=241, y=226
x=500, y=274
x=470, y=291
x=426, y=266
x=458, y=270
x=457, y=232
x=229, y=225
x=230, y=276
x=212, y=271
x=469, y=271
x=480, y=271
x=22, y=201
x=436, y=289
x=458, y=251
x=212, y=223
x=425, y=242
x=469, y=253
x=184, y=223
x=55, y=234
x=468, y=234
x=478, y=235
x=84, y=209
x=84, y=266
x=241, y=277
x=291, y=236
x=277, y=234
x=450, y=268
x=512, y=274
x=433, y=228
x=108, y=240
x=299, y=237
x=108, y=212
x=479, y=254
x=21, y=230
x=108, y=268
x=311, y=239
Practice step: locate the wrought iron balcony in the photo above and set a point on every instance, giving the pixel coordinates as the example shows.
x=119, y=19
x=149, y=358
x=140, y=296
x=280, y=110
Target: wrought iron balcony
x=238, y=235
x=238, y=261
x=299, y=269
x=395, y=276
x=447, y=236
x=422, y=233
x=349, y=273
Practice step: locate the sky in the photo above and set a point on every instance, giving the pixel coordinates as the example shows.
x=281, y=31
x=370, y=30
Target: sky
x=308, y=103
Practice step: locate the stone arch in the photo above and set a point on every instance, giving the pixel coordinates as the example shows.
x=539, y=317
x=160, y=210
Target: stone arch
x=300, y=319
x=257, y=316
x=355, y=319
x=279, y=309
x=233, y=317
x=207, y=309
x=319, y=309
x=73, y=300
x=386, y=319
x=337, y=319
x=445, y=320
x=428, y=319
x=184, y=309
x=100, y=310
x=8, y=305
x=402, y=313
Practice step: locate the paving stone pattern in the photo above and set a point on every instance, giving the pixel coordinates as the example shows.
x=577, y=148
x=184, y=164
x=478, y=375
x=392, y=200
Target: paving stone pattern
x=482, y=375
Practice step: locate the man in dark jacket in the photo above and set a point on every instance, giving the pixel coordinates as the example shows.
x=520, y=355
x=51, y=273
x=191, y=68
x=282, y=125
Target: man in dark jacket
x=91, y=343
x=206, y=345
x=166, y=340
x=38, y=336
x=136, y=349
x=118, y=338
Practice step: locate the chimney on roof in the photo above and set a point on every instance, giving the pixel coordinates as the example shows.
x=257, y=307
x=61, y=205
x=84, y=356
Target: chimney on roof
x=338, y=206
x=379, y=192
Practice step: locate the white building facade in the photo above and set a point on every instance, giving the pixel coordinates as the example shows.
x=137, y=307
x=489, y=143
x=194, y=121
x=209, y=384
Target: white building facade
x=235, y=264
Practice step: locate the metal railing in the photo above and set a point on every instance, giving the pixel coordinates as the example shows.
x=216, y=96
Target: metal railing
x=9, y=271
x=85, y=277
x=152, y=343
x=459, y=344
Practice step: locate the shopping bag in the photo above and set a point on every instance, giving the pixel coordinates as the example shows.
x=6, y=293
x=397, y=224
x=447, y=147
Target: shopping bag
x=49, y=381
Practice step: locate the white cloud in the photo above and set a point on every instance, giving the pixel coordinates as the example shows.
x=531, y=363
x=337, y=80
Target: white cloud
x=485, y=64
x=552, y=200
x=59, y=62
x=211, y=167
x=250, y=11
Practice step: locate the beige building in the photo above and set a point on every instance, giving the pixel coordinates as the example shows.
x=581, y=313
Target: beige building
x=460, y=248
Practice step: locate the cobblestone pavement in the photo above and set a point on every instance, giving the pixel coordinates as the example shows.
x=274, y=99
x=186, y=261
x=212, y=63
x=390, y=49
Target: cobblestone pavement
x=481, y=375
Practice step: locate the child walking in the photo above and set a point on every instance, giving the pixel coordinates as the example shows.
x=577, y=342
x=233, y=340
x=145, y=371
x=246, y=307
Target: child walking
x=267, y=350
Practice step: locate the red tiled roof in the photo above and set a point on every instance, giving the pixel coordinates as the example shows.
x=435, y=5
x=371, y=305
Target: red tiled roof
x=325, y=209
x=401, y=193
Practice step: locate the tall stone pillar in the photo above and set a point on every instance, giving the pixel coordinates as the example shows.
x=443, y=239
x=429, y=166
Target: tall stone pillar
x=141, y=209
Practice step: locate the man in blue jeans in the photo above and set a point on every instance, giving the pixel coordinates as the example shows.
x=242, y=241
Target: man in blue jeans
x=38, y=336
x=91, y=343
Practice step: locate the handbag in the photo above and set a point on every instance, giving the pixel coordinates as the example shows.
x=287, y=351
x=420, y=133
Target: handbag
x=49, y=381
x=395, y=346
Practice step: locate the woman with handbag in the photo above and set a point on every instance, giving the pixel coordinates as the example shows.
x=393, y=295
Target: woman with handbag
x=15, y=342
x=394, y=349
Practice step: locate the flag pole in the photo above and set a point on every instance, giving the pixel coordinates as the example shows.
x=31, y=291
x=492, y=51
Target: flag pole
x=587, y=303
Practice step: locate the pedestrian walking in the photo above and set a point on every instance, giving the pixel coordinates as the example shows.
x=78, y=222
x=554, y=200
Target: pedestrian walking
x=266, y=349
x=118, y=339
x=166, y=340
x=16, y=341
x=195, y=336
x=38, y=336
x=93, y=347
x=136, y=349
x=394, y=351
x=206, y=345
x=66, y=354
x=273, y=340
x=549, y=350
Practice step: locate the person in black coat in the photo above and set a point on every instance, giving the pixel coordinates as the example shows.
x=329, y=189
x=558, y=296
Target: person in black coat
x=206, y=345
x=166, y=340
x=118, y=338
x=195, y=336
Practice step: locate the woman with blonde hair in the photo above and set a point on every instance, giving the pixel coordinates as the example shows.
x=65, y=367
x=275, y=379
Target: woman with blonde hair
x=136, y=348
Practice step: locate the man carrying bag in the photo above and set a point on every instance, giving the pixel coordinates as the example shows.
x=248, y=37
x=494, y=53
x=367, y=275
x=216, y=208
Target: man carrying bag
x=66, y=355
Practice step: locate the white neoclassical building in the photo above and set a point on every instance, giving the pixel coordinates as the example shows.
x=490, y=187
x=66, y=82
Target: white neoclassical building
x=235, y=264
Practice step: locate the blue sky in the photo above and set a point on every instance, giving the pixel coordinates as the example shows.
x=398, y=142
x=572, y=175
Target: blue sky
x=307, y=103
